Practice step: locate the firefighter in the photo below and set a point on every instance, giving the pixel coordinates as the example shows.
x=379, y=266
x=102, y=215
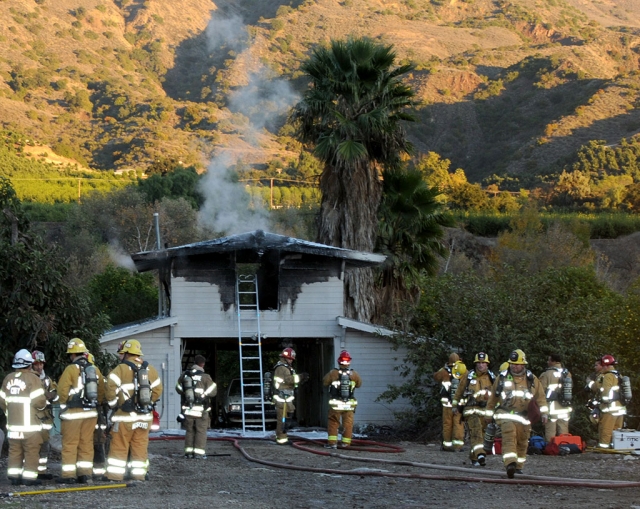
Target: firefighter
x=342, y=383
x=285, y=382
x=512, y=393
x=554, y=383
x=472, y=395
x=21, y=399
x=78, y=391
x=612, y=411
x=452, y=426
x=99, y=434
x=196, y=388
x=46, y=416
x=133, y=386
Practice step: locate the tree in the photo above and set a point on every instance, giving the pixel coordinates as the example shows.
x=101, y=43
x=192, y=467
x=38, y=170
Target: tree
x=352, y=114
x=123, y=295
x=37, y=308
x=410, y=233
x=566, y=311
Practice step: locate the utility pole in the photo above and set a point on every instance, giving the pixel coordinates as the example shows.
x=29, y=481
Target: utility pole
x=271, y=201
x=161, y=306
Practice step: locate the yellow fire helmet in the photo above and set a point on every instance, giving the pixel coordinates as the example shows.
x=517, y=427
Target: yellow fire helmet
x=90, y=358
x=518, y=357
x=76, y=345
x=458, y=370
x=481, y=357
x=132, y=346
x=504, y=366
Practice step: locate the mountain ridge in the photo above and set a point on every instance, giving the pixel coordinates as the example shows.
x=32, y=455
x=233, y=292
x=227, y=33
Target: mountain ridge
x=503, y=87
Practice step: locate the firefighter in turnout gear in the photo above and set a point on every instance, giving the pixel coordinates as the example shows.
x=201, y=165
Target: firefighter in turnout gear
x=100, y=432
x=612, y=409
x=452, y=426
x=133, y=386
x=557, y=385
x=21, y=399
x=511, y=395
x=79, y=390
x=472, y=395
x=46, y=416
x=342, y=383
x=285, y=382
x=196, y=389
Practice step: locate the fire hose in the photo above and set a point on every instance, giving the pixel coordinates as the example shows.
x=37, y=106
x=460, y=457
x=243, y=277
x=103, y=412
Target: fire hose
x=62, y=490
x=484, y=477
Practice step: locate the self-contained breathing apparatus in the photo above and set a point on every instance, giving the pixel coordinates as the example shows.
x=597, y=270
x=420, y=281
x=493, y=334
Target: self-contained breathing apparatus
x=341, y=391
x=567, y=387
x=489, y=436
x=187, y=389
x=625, y=390
x=267, y=382
x=140, y=400
x=87, y=397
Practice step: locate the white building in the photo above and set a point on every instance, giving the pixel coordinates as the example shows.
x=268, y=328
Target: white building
x=301, y=294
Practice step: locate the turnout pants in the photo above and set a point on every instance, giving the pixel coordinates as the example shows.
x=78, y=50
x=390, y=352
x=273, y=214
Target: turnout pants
x=606, y=426
x=515, y=440
x=452, y=430
x=477, y=426
x=195, y=439
x=77, y=447
x=555, y=428
x=24, y=454
x=44, y=452
x=133, y=438
x=281, y=433
x=333, y=423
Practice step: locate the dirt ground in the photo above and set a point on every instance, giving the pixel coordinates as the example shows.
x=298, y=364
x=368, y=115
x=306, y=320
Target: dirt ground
x=232, y=480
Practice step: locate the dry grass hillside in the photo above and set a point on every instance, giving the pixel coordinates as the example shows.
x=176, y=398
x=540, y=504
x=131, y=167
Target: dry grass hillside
x=503, y=86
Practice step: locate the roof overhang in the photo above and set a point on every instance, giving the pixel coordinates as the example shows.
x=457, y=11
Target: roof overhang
x=256, y=242
x=128, y=330
x=349, y=323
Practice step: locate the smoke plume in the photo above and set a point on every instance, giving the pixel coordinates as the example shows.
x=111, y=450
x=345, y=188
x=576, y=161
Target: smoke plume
x=228, y=208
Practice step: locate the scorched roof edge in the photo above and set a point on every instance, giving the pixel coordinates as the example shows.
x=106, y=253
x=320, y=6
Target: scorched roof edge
x=257, y=240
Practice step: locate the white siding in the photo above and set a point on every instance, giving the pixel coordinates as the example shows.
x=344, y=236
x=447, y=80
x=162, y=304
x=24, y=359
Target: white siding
x=199, y=311
x=374, y=359
x=166, y=359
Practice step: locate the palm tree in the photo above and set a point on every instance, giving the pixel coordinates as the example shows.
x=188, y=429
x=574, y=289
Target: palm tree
x=352, y=114
x=410, y=233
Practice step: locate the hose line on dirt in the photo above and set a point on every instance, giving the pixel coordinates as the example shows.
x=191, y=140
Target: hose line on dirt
x=63, y=490
x=521, y=480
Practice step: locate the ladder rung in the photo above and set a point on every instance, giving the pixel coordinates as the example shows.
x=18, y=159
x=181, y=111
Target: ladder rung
x=250, y=358
x=250, y=371
x=252, y=385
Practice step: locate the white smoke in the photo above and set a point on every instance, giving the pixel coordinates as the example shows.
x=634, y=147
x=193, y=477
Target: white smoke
x=228, y=208
x=225, y=32
x=263, y=101
x=120, y=257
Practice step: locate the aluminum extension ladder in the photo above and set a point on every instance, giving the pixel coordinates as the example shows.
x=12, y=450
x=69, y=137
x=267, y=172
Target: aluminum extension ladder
x=250, y=350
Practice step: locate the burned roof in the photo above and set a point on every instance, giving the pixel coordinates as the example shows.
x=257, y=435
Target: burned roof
x=254, y=244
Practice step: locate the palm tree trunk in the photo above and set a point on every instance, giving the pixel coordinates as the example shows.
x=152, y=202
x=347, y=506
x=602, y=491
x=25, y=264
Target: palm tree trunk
x=349, y=219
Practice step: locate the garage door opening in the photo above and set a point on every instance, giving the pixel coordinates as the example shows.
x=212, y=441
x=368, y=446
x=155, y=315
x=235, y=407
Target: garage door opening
x=313, y=356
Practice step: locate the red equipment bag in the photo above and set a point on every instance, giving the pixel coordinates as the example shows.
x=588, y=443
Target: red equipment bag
x=568, y=439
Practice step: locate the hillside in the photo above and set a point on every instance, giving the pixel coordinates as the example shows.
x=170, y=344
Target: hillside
x=503, y=86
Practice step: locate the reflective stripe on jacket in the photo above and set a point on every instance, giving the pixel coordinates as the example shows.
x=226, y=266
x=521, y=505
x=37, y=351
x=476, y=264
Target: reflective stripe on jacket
x=21, y=397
